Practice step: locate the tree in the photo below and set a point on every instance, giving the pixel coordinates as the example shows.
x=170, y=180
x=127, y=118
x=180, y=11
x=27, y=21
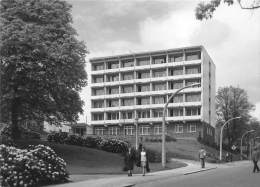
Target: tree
x=233, y=102
x=42, y=62
x=206, y=10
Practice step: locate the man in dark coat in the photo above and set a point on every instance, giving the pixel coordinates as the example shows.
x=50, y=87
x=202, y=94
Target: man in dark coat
x=129, y=161
x=255, y=158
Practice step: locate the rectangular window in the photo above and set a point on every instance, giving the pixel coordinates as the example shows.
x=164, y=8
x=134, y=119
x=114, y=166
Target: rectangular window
x=179, y=128
x=177, y=99
x=157, y=113
x=143, y=114
x=99, y=131
x=129, y=130
x=127, y=63
x=159, y=86
x=159, y=73
x=128, y=76
x=113, y=65
x=143, y=88
x=143, y=75
x=98, y=79
x=128, y=102
x=143, y=61
x=157, y=129
x=144, y=130
x=176, y=112
x=96, y=67
x=97, y=104
x=176, y=71
x=192, y=69
x=192, y=128
x=128, y=115
x=127, y=89
x=143, y=101
x=192, y=97
x=193, y=55
x=113, y=90
x=159, y=99
x=98, y=117
x=112, y=77
x=112, y=103
x=189, y=82
x=176, y=58
x=193, y=111
x=159, y=60
x=176, y=84
x=112, y=115
x=113, y=130
x=98, y=91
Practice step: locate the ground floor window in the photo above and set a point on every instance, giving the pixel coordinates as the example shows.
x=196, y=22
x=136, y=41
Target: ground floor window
x=192, y=128
x=158, y=130
x=144, y=130
x=99, y=131
x=179, y=128
x=113, y=130
x=129, y=130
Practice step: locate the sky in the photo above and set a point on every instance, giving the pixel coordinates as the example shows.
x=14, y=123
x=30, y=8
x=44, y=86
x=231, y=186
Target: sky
x=231, y=37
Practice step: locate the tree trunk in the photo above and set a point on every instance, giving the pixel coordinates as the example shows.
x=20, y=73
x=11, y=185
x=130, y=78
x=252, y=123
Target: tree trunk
x=15, y=132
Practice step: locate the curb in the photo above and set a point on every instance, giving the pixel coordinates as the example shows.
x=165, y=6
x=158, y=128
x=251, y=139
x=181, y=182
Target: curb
x=198, y=171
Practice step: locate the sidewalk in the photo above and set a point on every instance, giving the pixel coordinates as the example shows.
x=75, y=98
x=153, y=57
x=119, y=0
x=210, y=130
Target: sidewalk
x=124, y=180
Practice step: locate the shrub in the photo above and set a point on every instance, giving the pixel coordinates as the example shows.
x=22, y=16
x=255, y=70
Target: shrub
x=159, y=139
x=36, y=166
x=155, y=156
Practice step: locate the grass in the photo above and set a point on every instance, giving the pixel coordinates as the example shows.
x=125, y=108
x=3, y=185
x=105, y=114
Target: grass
x=83, y=160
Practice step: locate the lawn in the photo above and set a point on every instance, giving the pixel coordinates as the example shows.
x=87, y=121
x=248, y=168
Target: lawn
x=83, y=160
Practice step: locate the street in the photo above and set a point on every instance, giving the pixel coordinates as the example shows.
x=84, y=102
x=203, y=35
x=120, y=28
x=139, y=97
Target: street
x=238, y=176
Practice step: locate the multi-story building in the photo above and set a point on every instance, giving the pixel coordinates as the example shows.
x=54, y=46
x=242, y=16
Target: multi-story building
x=133, y=88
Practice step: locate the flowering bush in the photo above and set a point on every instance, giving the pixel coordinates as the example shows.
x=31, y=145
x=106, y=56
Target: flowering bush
x=35, y=166
x=109, y=145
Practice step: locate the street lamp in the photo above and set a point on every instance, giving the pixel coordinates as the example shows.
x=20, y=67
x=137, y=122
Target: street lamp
x=221, y=136
x=136, y=133
x=241, y=143
x=163, y=120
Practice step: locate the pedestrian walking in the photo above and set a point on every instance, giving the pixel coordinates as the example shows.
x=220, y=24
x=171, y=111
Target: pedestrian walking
x=143, y=160
x=138, y=158
x=129, y=161
x=202, y=156
x=255, y=158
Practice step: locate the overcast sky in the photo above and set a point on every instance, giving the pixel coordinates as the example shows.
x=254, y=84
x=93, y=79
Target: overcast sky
x=232, y=37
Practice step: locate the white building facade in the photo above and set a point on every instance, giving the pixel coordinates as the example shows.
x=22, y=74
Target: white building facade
x=132, y=89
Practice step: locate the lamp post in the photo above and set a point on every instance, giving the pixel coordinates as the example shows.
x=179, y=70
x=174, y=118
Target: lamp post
x=136, y=133
x=241, y=143
x=163, y=121
x=221, y=136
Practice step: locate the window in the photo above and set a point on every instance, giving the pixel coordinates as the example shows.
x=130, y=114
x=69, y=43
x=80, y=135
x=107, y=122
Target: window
x=127, y=88
x=159, y=86
x=176, y=58
x=127, y=63
x=128, y=102
x=98, y=117
x=159, y=73
x=112, y=77
x=179, y=128
x=143, y=75
x=157, y=113
x=192, y=97
x=192, y=70
x=113, y=90
x=143, y=101
x=159, y=60
x=113, y=130
x=176, y=71
x=176, y=112
x=112, y=115
x=143, y=114
x=96, y=67
x=192, y=128
x=143, y=88
x=113, y=103
x=129, y=130
x=144, y=130
x=159, y=99
x=98, y=79
x=97, y=104
x=127, y=115
x=128, y=76
x=193, y=55
x=177, y=99
x=157, y=129
x=176, y=84
x=143, y=61
x=99, y=131
x=113, y=65
x=189, y=82
x=193, y=111
x=98, y=91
